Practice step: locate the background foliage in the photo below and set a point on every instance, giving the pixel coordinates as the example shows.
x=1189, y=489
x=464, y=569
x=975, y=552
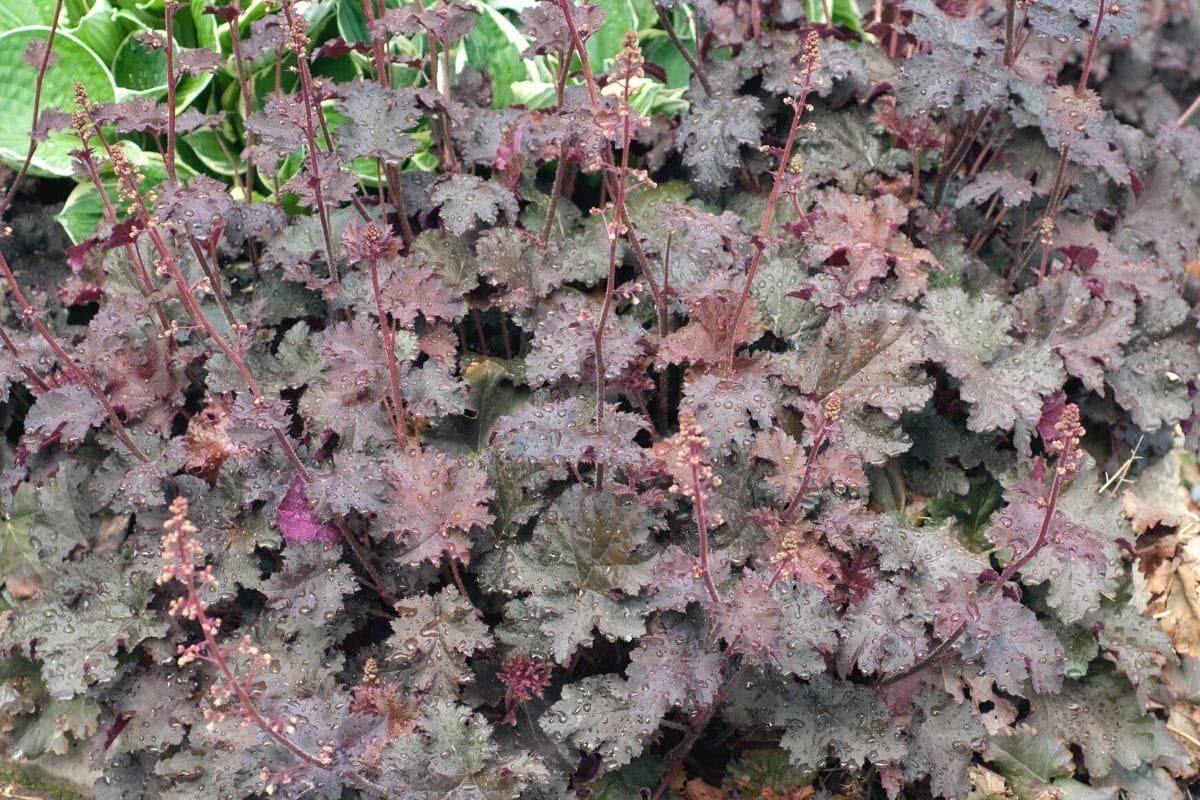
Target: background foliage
x=728, y=399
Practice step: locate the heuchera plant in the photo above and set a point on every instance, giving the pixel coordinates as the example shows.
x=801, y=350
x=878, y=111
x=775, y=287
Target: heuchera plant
x=736, y=449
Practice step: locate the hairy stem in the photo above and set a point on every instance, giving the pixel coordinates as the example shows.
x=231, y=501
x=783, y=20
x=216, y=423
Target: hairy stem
x=1010, y=44
x=701, y=514
x=785, y=157
x=299, y=45
x=809, y=464
x=697, y=68
x=1091, y=50
x=169, y=50
x=560, y=169
x=399, y=418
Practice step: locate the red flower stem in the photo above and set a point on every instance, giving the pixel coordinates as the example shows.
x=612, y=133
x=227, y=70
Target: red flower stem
x=997, y=586
x=818, y=440
x=759, y=241
x=560, y=170
x=779, y=570
x=1091, y=50
x=1010, y=43
x=169, y=49
x=399, y=418
x=1059, y=191
x=216, y=656
x=619, y=202
x=702, y=529
x=235, y=40
x=114, y=421
x=396, y=191
x=38, y=82
x=1179, y=123
x=310, y=102
x=382, y=71
x=188, y=298
x=581, y=49
x=610, y=285
x=212, y=272
x=110, y=213
x=697, y=68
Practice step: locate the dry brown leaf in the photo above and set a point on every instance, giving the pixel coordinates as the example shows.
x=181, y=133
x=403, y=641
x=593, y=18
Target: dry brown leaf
x=1144, y=516
x=987, y=785
x=1177, y=609
x=696, y=789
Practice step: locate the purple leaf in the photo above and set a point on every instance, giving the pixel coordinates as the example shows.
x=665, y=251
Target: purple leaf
x=295, y=519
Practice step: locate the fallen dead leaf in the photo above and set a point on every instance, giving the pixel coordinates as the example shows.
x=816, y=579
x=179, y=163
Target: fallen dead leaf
x=1177, y=606
x=696, y=789
x=1144, y=516
x=987, y=785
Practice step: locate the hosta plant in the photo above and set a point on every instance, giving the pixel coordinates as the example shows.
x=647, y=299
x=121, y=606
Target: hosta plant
x=469, y=442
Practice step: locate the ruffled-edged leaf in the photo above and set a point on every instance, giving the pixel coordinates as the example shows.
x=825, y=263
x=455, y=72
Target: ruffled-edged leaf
x=672, y=669
x=963, y=63
x=827, y=717
x=564, y=342
x=468, y=200
x=377, y=121
x=432, y=503
x=944, y=735
x=880, y=633
x=64, y=414
x=711, y=135
x=725, y=404
x=76, y=642
x=1079, y=557
x=1013, y=646
x=554, y=434
x=857, y=239
x=1102, y=716
x=453, y=754
x=311, y=585
x=432, y=637
x=869, y=355
x=593, y=716
x=1086, y=332
x=1004, y=381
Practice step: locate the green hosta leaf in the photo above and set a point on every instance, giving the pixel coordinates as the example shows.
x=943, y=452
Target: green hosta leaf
x=841, y=12
x=76, y=63
x=23, y=13
x=619, y=18
x=495, y=47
